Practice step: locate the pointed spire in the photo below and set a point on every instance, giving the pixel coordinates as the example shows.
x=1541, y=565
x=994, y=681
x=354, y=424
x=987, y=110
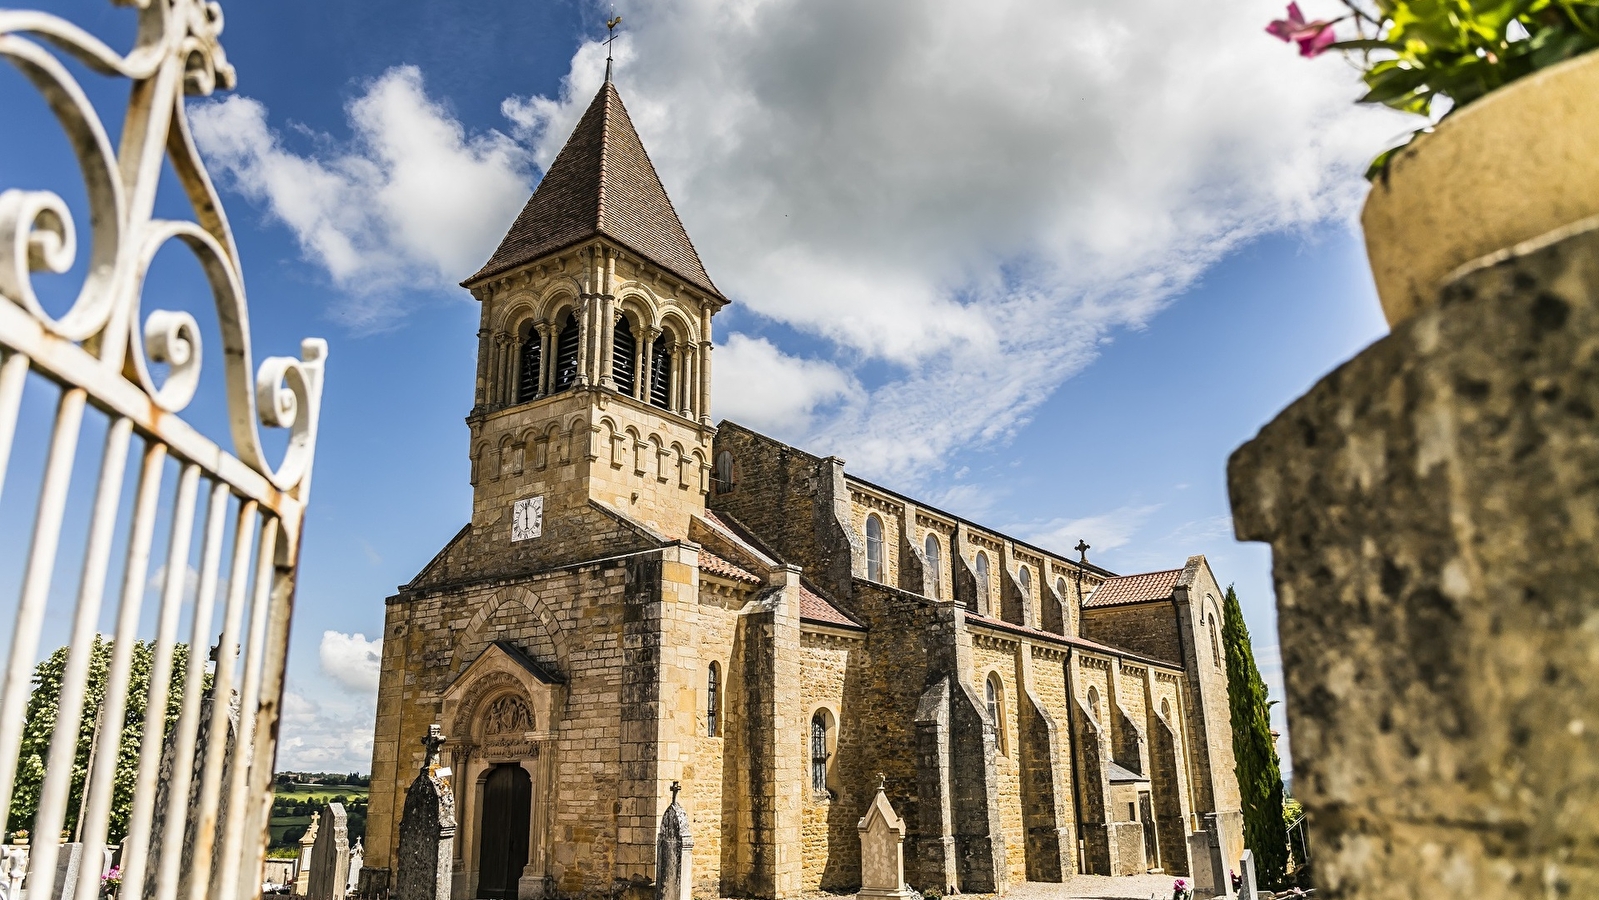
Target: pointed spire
x=601, y=184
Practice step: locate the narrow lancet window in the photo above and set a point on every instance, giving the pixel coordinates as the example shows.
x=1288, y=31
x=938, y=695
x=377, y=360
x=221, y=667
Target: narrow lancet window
x=724, y=472
x=982, y=582
x=713, y=697
x=819, y=753
x=874, y=548
x=935, y=566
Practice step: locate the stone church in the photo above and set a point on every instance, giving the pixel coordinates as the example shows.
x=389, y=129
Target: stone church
x=643, y=598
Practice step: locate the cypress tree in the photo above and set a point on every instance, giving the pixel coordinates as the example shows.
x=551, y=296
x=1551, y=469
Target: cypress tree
x=1260, y=780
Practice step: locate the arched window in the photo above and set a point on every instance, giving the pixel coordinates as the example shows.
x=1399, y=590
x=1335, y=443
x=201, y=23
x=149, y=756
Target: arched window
x=661, y=373
x=820, y=754
x=1060, y=588
x=529, y=367
x=1025, y=579
x=874, y=548
x=566, y=354
x=982, y=581
x=996, y=710
x=624, y=356
x=713, y=700
x=724, y=472
x=935, y=565
x=1093, y=702
x=1215, y=646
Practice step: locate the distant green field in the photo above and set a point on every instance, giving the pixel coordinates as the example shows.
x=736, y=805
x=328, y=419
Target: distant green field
x=315, y=795
x=318, y=792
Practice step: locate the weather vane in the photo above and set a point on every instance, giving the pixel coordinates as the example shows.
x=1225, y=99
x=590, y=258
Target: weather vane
x=610, y=28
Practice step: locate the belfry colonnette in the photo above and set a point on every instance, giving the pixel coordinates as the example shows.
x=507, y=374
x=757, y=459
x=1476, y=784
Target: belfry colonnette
x=643, y=598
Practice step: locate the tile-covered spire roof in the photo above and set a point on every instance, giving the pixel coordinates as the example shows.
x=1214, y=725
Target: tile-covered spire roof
x=601, y=184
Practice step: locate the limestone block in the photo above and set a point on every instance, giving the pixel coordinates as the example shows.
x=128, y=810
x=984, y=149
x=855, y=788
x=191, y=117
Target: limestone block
x=1433, y=514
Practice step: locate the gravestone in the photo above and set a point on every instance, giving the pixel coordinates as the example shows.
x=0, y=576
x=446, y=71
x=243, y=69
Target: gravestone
x=1249, y=886
x=357, y=857
x=13, y=867
x=186, y=809
x=330, y=857
x=883, y=849
x=674, y=854
x=69, y=868
x=302, y=881
x=425, y=861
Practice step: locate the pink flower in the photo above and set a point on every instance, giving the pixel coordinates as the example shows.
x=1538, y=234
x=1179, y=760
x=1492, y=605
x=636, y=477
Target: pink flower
x=1312, y=37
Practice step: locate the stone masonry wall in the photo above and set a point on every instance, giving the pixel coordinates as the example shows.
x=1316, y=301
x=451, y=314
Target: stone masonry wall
x=831, y=844
x=796, y=504
x=999, y=657
x=1149, y=629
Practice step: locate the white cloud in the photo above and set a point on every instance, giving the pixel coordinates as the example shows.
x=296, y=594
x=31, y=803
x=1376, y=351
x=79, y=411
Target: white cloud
x=1104, y=532
x=760, y=386
x=973, y=194
x=352, y=661
x=962, y=201
x=325, y=732
x=411, y=199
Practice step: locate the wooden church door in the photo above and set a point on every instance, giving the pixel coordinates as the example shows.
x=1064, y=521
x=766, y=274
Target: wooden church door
x=507, y=809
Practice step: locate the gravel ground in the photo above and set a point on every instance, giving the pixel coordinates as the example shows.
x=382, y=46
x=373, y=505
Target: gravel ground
x=1078, y=887
x=1099, y=887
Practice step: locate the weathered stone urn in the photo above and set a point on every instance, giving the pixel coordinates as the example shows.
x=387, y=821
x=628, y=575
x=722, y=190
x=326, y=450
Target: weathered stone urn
x=1517, y=163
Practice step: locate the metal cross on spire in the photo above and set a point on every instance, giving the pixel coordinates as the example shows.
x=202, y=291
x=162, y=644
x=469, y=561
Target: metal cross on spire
x=610, y=28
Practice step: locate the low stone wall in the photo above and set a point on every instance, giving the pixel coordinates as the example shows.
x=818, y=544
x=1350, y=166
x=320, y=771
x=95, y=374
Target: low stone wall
x=1433, y=510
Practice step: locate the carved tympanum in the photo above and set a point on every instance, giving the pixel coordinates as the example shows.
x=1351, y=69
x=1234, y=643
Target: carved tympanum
x=507, y=715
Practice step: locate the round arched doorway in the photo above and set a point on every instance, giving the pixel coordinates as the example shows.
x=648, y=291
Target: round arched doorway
x=503, y=829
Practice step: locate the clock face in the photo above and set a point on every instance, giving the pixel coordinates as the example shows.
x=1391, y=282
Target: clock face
x=527, y=519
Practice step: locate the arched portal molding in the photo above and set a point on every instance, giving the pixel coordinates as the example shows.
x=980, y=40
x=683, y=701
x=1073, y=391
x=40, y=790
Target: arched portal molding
x=550, y=643
x=640, y=307
x=677, y=326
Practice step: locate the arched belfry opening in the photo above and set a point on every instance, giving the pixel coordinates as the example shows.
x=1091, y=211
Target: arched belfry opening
x=624, y=356
x=661, y=373
x=530, y=367
x=566, y=345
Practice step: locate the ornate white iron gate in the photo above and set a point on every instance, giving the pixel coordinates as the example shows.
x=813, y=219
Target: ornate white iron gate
x=100, y=355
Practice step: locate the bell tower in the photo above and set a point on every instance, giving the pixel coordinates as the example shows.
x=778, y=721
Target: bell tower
x=594, y=348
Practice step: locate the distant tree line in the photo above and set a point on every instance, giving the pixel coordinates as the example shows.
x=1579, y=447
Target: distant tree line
x=334, y=779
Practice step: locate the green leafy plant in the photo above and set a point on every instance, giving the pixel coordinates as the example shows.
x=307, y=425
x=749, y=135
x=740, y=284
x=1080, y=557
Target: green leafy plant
x=43, y=704
x=1432, y=57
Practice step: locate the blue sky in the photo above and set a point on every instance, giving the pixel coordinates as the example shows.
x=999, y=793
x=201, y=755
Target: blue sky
x=1042, y=264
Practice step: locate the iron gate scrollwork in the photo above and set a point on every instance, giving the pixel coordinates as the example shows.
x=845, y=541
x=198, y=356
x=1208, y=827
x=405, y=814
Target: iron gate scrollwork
x=105, y=361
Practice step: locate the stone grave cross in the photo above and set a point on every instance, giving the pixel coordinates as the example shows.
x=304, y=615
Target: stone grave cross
x=426, y=860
